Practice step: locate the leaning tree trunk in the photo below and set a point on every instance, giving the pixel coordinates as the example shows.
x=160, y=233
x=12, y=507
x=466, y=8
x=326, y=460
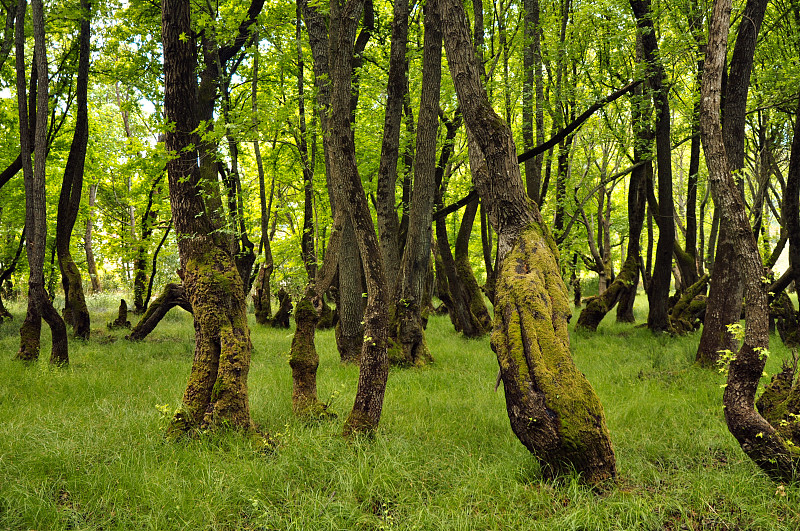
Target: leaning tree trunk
x=76, y=312
x=406, y=332
x=597, y=307
x=757, y=437
x=172, y=295
x=39, y=304
x=552, y=407
x=216, y=394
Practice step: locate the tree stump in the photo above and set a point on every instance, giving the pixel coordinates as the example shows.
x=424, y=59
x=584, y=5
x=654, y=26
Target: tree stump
x=122, y=317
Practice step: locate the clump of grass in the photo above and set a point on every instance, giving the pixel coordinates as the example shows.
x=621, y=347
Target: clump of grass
x=83, y=447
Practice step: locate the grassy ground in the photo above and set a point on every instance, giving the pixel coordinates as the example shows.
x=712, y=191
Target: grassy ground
x=83, y=447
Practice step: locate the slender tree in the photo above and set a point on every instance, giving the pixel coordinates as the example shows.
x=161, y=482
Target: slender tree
x=39, y=304
x=76, y=312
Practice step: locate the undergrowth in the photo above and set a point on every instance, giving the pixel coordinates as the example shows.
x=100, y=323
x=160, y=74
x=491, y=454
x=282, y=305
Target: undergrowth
x=84, y=448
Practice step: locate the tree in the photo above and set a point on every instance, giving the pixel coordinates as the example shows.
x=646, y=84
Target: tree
x=373, y=369
x=75, y=311
x=406, y=328
x=39, y=304
x=552, y=408
x=658, y=290
x=757, y=437
x=725, y=295
x=216, y=394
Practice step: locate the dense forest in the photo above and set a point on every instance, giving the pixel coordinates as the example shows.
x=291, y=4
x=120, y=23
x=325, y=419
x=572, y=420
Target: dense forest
x=365, y=168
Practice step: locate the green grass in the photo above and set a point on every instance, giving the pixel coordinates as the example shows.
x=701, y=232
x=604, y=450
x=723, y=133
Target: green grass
x=83, y=447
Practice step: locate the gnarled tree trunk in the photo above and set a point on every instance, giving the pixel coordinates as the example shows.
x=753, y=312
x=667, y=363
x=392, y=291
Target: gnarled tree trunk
x=552, y=408
x=172, y=295
x=757, y=437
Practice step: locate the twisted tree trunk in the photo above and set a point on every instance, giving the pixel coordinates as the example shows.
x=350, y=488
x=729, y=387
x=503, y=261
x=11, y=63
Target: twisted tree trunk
x=552, y=408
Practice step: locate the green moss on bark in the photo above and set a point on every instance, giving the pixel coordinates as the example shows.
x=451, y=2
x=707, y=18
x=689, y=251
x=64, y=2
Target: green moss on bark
x=552, y=407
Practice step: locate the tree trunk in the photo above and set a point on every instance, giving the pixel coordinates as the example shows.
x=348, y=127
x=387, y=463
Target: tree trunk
x=658, y=293
x=304, y=360
x=122, y=317
x=466, y=276
x=551, y=406
x=373, y=368
x=597, y=307
x=39, y=304
x=172, y=295
x=725, y=295
x=285, y=309
x=91, y=266
x=532, y=99
x=406, y=334
x=216, y=394
x=75, y=311
x=388, y=226
x=759, y=440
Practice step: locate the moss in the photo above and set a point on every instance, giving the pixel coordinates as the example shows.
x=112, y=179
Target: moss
x=552, y=407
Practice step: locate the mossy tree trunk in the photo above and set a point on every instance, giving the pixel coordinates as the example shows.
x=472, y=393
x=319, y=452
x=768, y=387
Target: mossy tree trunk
x=303, y=358
x=216, y=394
x=687, y=314
x=552, y=407
x=39, y=303
x=76, y=312
x=91, y=265
x=281, y=318
x=766, y=446
x=597, y=307
x=406, y=332
x=172, y=295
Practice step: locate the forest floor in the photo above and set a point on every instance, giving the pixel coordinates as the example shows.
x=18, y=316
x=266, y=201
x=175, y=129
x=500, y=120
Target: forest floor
x=84, y=447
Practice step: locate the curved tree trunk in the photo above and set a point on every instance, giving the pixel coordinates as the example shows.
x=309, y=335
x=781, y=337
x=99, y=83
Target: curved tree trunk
x=597, y=307
x=39, y=304
x=373, y=367
x=172, y=295
x=727, y=285
x=304, y=360
x=757, y=437
x=552, y=408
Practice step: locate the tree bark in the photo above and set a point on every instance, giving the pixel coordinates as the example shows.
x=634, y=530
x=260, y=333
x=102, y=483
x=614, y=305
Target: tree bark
x=172, y=295
x=551, y=406
x=216, y=394
x=373, y=368
x=407, y=345
x=658, y=293
x=726, y=291
x=75, y=311
x=39, y=304
x=759, y=440
x=388, y=225
x=91, y=266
